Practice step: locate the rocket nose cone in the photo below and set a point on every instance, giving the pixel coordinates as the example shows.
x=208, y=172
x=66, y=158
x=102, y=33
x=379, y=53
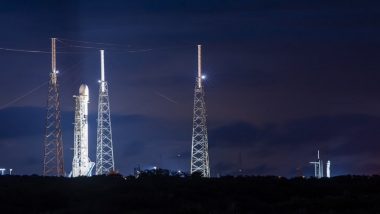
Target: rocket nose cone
x=83, y=90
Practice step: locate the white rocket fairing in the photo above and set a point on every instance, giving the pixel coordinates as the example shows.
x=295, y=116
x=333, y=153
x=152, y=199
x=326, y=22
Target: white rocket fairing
x=82, y=166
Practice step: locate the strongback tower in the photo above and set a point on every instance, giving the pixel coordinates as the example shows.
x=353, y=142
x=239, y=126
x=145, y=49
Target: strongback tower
x=53, y=146
x=199, y=146
x=104, y=149
x=318, y=167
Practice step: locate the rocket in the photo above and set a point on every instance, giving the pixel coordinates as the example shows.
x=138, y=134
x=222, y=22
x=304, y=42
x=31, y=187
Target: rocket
x=82, y=166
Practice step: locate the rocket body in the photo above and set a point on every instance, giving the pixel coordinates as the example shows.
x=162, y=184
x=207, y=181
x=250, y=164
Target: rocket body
x=82, y=166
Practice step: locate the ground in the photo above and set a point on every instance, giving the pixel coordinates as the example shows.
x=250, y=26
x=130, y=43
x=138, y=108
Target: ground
x=164, y=194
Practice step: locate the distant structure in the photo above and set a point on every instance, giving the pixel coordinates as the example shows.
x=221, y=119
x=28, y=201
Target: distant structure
x=199, y=146
x=82, y=166
x=328, y=165
x=3, y=171
x=53, y=145
x=318, y=167
x=104, y=149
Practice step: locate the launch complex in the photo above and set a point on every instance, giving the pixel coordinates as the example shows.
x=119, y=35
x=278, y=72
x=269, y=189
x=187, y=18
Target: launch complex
x=82, y=165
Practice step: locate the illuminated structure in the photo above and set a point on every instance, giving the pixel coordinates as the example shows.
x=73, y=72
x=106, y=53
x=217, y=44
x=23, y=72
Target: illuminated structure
x=104, y=149
x=318, y=167
x=82, y=166
x=328, y=172
x=3, y=171
x=199, y=146
x=53, y=145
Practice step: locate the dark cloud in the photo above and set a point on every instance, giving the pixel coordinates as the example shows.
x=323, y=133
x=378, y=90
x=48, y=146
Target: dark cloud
x=14, y=123
x=342, y=139
x=133, y=148
x=225, y=167
x=369, y=168
x=317, y=130
x=235, y=134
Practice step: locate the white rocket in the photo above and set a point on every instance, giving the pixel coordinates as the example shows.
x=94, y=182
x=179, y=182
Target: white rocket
x=82, y=166
x=328, y=170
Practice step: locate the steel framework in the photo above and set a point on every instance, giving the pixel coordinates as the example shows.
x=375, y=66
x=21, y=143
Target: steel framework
x=104, y=149
x=318, y=167
x=199, y=146
x=53, y=146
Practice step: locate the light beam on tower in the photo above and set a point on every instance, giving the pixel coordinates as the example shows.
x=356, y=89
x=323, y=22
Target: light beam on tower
x=53, y=145
x=104, y=149
x=199, y=145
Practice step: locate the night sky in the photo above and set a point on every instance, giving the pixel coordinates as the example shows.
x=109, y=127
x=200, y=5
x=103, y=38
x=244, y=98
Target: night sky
x=284, y=78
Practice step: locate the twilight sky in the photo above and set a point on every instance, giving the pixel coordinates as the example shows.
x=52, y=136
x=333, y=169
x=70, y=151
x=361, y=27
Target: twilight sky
x=285, y=78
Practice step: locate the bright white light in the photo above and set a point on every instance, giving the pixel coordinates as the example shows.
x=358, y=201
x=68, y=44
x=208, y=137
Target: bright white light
x=203, y=77
x=56, y=71
x=155, y=167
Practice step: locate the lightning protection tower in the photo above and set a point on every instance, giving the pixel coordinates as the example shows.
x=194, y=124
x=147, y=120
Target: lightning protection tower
x=199, y=146
x=104, y=149
x=53, y=146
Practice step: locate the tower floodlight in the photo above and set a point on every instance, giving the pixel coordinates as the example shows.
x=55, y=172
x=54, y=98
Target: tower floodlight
x=104, y=148
x=53, y=145
x=199, y=146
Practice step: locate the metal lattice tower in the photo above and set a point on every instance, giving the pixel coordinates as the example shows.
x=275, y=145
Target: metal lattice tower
x=104, y=149
x=199, y=146
x=53, y=145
